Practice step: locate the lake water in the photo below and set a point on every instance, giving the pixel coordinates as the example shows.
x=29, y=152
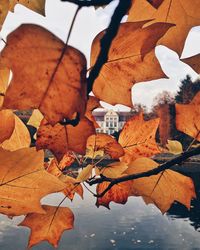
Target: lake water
x=130, y=226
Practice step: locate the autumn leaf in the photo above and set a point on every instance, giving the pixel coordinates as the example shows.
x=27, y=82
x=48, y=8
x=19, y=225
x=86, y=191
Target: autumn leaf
x=180, y=12
x=85, y=173
x=20, y=137
x=138, y=138
x=53, y=80
x=162, y=189
x=53, y=168
x=113, y=170
x=35, y=5
x=187, y=117
x=130, y=60
x=4, y=7
x=48, y=226
x=35, y=118
x=71, y=187
x=56, y=168
x=7, y=124
x=60, y=138
x=24, y=181
x=193, y=62
x=92, y=104
x=174, y=147
x=119, y=193
x=4, y=79
x=106, y=143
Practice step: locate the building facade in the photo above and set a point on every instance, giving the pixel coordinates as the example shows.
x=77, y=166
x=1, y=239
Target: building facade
x=111, y=121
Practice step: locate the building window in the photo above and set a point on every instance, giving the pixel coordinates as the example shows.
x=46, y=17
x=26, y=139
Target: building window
x=111, y=124
x=107, y=125
x=115, y=124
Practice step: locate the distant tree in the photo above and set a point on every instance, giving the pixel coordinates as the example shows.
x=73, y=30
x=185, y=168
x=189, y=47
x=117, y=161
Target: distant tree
x=187, y=91
x=164, y=97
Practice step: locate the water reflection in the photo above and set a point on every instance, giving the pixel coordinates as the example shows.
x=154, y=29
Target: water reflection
x=132, y=226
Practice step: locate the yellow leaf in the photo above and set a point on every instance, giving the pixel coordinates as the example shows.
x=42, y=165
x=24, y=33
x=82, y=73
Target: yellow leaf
x=35, y=118
x=20, y=137
x=182, y=13
x=113, y=170
x=174, y=147
x=162, y=189
x=35, y=5
x=7, y=124
x=90, y=153
x=4, y=7
x=24, y=182
x=85, y=173
x=48, y=226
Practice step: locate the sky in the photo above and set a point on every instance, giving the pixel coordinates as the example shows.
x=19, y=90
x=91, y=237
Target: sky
x=88, y=24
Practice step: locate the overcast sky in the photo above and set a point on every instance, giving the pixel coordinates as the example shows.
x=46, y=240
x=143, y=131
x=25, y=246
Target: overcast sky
x=89, y=23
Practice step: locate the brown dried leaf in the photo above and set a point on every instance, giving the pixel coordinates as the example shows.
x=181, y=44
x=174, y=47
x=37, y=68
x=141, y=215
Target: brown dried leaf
x=130, y=60
x=61, y=139
x=92, y=104
x=71, y=187
x=119, y=193
x=187, y=117
x=47, y=77
x=193, y=62
x=104, y=142
x=48, y=226
x=138, y=138
x=4, y=79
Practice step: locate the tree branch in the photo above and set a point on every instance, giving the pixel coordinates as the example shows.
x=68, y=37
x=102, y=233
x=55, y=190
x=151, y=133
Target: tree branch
x=167, y=165
x=88, y=3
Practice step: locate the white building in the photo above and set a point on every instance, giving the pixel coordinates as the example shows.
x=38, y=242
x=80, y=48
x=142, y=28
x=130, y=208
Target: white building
x=111, y=121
